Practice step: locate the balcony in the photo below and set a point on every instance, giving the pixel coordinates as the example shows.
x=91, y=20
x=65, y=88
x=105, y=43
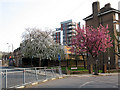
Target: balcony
x=71, y=27
x=73, y=31
x=69, y=31
x=71, y=24
x=69, y=35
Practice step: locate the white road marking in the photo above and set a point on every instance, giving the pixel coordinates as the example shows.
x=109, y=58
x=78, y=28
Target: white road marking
x=85, y=84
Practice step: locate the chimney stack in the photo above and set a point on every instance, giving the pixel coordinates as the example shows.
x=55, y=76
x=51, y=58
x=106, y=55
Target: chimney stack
x=108, y=5
x=96, y=7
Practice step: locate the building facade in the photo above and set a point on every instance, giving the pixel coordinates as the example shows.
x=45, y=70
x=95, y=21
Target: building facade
x=104, y=16
x=63, y=35
x=57, y=35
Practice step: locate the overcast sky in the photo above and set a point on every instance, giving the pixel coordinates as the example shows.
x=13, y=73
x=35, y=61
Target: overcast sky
x=16, y=15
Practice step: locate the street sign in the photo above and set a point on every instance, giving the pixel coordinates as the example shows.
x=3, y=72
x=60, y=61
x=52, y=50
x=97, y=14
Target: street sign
x=59, y=58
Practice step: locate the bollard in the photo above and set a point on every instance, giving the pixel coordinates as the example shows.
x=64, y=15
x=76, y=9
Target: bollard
x=23, y=76
x=1, y=74
x=36, y=74
x=6, y=78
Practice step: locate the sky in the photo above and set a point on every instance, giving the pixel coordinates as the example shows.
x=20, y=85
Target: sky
x=17, y=15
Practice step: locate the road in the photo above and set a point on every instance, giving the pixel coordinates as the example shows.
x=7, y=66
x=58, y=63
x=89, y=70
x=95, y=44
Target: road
x=82, y=82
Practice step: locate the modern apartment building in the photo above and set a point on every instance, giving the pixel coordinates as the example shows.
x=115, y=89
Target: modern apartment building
x=57, y=35
x=104, y=16
x=63, y=35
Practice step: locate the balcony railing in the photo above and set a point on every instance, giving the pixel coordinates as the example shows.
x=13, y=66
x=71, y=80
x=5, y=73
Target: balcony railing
x=71, y=27
x=71, y=24
x=69, y=31
x=69, y=35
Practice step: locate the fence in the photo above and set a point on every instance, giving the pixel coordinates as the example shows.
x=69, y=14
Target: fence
x=12, y=78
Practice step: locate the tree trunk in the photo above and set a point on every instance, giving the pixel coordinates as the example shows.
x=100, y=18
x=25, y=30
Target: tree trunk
x=67, y=62
x=104, y=68
x=76, y=59
x=96, y=70
x=84, y=61
x=84, y=64
x=96, y=66
x=39, y=62
x=90, y=68
x=76, y=63
x=31, y=61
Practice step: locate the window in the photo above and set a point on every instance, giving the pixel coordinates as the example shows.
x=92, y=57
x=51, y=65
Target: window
x=119, y=62
x=116, y=16
x=117, y=28
x=118, y=37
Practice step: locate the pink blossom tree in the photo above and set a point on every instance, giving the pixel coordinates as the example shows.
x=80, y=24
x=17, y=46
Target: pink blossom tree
x=93, y=41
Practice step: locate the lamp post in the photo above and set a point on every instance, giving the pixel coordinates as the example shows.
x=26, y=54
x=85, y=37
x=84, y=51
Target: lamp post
x=9, y=46
x=11, y=62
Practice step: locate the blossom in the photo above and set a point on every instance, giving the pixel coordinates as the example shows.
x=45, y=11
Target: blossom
x=92, y=40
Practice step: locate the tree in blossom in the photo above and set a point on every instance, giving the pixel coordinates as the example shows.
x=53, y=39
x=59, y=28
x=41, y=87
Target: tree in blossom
x=93, y=41
x=40, y=44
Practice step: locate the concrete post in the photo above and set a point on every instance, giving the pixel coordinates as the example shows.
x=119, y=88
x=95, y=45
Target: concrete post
x=36, y=75
x=24, y=76
x=6, y=78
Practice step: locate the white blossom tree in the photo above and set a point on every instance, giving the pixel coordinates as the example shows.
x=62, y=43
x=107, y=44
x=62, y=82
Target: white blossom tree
x=40, y=44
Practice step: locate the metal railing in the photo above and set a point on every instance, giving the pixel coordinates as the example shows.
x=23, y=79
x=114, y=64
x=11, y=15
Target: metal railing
x=11, y=78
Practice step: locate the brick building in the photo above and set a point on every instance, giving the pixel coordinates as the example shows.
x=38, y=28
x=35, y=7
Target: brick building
x=104, y=16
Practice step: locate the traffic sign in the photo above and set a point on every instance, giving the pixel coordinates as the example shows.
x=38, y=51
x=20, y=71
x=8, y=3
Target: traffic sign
x=59, y=58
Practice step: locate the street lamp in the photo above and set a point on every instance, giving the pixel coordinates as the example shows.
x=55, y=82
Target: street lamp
x=9, y=46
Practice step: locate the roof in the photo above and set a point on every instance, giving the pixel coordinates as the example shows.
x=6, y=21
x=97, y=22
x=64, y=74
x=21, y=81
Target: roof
x=88, y=17
x=66, y=21
x=102, y=12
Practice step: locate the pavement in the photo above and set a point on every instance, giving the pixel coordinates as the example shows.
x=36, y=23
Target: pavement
x=91, y=75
